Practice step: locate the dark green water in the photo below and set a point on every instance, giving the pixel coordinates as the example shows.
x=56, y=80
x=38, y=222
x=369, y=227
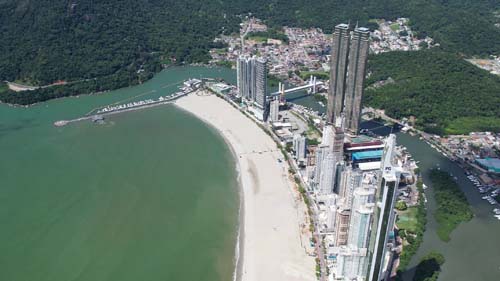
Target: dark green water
x=150, y=195
x=473, y=254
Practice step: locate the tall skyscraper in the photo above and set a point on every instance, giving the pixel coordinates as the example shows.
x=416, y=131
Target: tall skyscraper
x=260, y=82
x=252, y=83
x=347, y=74
x=358, y=55
x=327, y=176
x=245, y=71
x=385, y=216
x=300, y=147
x=338, y=71
x=274, y=109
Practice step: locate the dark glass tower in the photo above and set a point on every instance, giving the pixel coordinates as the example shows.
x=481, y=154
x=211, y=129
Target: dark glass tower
x=338, y=71
x=358, y=55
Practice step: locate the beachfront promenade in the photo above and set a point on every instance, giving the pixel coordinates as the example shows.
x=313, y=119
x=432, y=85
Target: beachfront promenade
x=272, y=244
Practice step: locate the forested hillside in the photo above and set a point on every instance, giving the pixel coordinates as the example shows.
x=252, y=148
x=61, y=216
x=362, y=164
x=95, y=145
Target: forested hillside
x=117, y=43
x=446, y=93
x=45, y=40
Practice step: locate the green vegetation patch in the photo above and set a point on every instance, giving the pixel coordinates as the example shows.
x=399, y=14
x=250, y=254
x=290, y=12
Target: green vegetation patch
x=225, y=63
x=429, y=267
x=323, y=75
x=312, y=131
x=446, y=93
x=452, y=206
x=407, y=220
x=259, y=39
x=321, y=98
x=411, y=224
x=465, y=125
x=273, y=81
x=271, y=33
x=3, y=87
x=395, y=26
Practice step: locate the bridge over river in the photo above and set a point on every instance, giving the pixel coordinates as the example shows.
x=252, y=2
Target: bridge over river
x=312, y=85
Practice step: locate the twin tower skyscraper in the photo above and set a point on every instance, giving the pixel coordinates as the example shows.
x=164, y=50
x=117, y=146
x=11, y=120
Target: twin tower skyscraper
x=348, y=60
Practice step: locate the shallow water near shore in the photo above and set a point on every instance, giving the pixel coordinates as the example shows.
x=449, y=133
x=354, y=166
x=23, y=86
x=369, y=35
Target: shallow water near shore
x=149, y=195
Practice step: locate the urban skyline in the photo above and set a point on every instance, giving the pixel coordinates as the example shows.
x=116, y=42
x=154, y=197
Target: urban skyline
x=355, y=188
x=347, y=73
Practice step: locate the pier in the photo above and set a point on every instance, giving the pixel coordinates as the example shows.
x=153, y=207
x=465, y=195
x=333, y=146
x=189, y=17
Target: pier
x=190, y=86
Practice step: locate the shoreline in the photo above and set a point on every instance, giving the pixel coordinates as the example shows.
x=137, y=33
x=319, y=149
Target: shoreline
x=269, y=240
x=239, y=247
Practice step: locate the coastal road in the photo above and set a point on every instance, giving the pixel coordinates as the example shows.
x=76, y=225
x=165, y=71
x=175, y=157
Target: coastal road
x=320, y=252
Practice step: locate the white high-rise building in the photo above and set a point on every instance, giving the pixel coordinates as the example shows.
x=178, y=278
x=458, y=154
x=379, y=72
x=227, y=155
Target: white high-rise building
x=331, y=143
x=327, y=175
x=384, y=224
x=260, y=82
x=300, y=147
x=252, y=84
x=274, y=109
x=252, y=79
x=362, y=207
x=321, y=153
x=328, y=136
x=245, y=71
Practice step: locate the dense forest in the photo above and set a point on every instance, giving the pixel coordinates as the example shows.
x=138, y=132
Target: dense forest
x=444, y=91
x=453, y=207
x=114, y=43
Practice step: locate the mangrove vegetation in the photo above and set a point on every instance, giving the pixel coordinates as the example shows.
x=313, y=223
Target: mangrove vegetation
x=452, y=206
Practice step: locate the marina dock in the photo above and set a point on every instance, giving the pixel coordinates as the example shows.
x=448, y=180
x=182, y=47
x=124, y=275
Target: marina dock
x=189, y=87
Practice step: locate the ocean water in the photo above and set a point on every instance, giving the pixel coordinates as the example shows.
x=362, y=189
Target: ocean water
x=149, y=195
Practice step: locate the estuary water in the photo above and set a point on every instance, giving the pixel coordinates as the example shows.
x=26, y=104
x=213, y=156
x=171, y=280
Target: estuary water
x=473, y=253
x=149, y=195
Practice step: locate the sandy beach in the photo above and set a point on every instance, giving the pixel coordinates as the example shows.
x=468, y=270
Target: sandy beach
x=273, y=236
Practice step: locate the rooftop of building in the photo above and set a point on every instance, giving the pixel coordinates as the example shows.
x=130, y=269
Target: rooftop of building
x=370, y=154
x=360, y=139
x=493, y=164
x=362, y=29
